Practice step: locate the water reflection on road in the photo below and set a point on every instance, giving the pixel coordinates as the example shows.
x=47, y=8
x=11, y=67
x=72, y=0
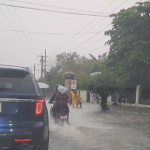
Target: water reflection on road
x=90, y=130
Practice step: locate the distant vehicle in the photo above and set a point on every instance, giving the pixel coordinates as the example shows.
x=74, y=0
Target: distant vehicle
x=24, y=123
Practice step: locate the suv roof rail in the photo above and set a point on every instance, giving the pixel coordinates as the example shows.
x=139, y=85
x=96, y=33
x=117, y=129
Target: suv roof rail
x=27, y=68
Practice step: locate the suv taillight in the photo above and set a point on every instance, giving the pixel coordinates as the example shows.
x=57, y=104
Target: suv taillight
x=39, y=105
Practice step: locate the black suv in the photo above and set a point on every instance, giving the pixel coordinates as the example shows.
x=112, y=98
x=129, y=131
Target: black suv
x=24, y=121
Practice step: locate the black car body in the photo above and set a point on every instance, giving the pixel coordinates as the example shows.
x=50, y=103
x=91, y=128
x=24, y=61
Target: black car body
x=24, y=121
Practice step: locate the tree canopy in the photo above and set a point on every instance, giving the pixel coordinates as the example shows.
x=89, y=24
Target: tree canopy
x=130, y=44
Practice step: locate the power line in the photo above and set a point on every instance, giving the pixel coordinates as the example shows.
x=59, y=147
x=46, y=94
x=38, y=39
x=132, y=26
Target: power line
x=105, y=28
x=94, y=26
x=118, y=27
x=134, y=26
x=25, y=29
x=81, y=35
x=104, y=37
x=96, y=49
x=83, y=28
x=44, y=5
x=51, y=33
x=138, y=32
x=131, y=28
x=54, y=11
x=15, y=20
x=93, y=44
x=133, y=36
x=97, y=32
x=14, y=30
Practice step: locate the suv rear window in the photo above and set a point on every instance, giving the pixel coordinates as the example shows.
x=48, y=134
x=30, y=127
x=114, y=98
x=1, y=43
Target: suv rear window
x=15, y=81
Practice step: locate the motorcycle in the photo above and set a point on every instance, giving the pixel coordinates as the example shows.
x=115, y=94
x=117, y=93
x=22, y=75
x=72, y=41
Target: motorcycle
x=62, y=116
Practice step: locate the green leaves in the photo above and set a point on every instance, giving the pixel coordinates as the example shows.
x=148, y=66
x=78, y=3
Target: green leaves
x=130, y=45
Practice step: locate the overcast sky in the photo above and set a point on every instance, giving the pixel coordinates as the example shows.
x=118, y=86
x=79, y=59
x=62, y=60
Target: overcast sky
x=22, y=49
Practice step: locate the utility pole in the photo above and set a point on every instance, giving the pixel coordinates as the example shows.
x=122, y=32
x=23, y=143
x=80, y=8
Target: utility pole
x=45, y=65
x=34, y=68
x=41, y=67
x=41, y=64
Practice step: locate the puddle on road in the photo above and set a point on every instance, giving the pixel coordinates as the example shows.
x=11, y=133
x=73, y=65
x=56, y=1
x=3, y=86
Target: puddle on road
x=82, y=136
x=86, y=131
x=81, y=129
x=79, y=125
x=66, y=130
x=79, y=119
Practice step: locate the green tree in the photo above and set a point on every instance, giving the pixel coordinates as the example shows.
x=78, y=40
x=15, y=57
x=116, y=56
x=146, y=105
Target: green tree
x=104, y=85
x=70, y=62
x=129, y=45
x=54, y=77
x=67, y=61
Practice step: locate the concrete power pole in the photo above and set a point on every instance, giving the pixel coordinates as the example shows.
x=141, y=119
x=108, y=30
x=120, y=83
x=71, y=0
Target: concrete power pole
x=42, y=67
x=34, y=68
x=41, y=64
x=45, y=65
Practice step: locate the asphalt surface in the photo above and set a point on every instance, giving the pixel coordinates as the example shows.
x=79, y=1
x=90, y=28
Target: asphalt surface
x=91, y=129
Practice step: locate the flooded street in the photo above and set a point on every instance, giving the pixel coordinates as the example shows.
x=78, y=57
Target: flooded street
x=91, y=129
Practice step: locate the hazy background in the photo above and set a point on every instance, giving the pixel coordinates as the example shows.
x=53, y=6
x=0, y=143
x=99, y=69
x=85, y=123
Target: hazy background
x=21, y=48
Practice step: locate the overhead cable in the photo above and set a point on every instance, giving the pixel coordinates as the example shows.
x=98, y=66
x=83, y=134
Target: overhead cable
x=51, y=33
x=54, y=11
x=81, y=29
x=56, y=7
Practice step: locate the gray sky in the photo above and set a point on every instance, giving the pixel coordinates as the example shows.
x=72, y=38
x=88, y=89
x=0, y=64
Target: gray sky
x=22, y=49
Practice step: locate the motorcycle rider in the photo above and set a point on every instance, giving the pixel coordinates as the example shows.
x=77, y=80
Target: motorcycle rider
x=52, y=99
x=59, y=100
x=62, y=100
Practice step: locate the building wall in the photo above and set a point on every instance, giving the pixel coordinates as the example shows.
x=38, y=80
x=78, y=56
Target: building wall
x=83, y=95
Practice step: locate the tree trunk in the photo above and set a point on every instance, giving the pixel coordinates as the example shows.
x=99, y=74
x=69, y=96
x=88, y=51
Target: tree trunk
x=137, y=95
x=104, y=101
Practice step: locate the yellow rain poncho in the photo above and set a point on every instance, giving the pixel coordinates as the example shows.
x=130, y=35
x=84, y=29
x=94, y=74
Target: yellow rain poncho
x=79, y=100
x=73, y=98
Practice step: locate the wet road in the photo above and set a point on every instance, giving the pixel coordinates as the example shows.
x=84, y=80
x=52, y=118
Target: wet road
x=91, y=130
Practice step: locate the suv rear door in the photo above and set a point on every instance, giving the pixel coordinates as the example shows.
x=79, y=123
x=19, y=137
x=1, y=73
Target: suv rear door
x=17, y=96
